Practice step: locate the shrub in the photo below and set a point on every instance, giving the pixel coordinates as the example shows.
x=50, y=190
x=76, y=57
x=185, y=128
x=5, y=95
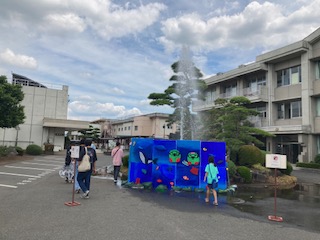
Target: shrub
x=3, y=151
x=250, y=155
x=288, y=170
x=34, y=149
x=234, y=155
x=125, y=161
x=308, y=165
x=232, y=169
x=20, y=151
x=317, y=159
x=261, y=168
x=245, y=173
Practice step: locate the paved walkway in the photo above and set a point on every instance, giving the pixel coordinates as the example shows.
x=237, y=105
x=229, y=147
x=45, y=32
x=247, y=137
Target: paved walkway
x=306, y=175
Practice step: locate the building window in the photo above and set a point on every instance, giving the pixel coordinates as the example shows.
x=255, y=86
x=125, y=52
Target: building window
x=262, y=111
x=136, y=128
x=296, y=109
x=318, y=144
x=129, y=128
x=125, y=128
x=230, y=90
x=318, y=106
x=289, y=76
x=280, y=111
x=211, y=95
x=255, y=82
x=317, y=66
x=290, y=110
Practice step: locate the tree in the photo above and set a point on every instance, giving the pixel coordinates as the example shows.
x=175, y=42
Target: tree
x=186, y=86
x=11, y=110
x=91, y=132
x=229, y=122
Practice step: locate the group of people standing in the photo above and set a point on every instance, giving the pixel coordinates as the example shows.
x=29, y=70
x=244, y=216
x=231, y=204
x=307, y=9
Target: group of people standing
x=82, y=179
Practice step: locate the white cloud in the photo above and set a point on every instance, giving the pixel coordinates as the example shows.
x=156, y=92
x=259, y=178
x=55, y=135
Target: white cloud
x=145, y=102
x=117, y=90
x=68, y=22
x=9, y=57
x=92, y=110
x=121, y=22
x=259, y=24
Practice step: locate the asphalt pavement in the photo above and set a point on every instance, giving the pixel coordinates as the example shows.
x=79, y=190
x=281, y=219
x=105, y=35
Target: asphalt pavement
x=36, y=209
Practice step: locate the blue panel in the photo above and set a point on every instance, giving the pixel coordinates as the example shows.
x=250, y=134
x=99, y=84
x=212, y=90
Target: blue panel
x=218, y=150
x=178, y=163
x=163, y=169
x=140, y=164
x=188, y=168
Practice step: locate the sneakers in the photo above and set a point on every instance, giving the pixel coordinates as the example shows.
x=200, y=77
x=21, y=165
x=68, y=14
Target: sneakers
x=207, y=200
x=77, y=191
x=85, y=195
x=115, y=181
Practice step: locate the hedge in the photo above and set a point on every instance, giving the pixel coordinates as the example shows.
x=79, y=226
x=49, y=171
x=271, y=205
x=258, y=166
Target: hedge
x=308, y=165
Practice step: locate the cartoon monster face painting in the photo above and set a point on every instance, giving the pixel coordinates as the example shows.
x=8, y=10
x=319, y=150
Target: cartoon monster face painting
x=193, y=158
x=174, y=156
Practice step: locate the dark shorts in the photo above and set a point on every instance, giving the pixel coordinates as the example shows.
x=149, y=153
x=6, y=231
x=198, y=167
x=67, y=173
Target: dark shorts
x=213, y=185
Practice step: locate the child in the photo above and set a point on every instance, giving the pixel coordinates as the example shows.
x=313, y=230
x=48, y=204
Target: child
x=211, y=176
x=67, y=171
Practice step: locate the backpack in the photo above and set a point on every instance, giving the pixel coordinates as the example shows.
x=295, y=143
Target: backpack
x=85, y=165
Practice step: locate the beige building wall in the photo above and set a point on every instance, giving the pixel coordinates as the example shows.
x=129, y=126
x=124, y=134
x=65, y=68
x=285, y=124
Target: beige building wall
x=149, y=125
x=46, y=118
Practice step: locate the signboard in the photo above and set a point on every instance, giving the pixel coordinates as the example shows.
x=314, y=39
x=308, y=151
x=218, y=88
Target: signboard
x=276, y=161
x=75, y=151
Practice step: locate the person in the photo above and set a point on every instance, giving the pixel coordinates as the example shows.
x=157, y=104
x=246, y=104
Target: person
x=211, y=176
x=93, y=145
x=117, y=155
x=77, y=186
x=85, y=177
x=68, y=167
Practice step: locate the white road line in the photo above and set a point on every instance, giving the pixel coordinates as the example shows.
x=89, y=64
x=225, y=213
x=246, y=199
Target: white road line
x=102, y=177
x=30, y=168
x=44, y=164
x=9, y=186
x=54, y=161
x=20, y=175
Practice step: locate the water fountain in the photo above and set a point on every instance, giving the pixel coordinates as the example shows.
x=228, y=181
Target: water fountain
x=186, y=90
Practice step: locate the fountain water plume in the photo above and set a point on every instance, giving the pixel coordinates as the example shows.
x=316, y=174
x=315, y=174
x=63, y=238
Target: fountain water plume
x=186, y=89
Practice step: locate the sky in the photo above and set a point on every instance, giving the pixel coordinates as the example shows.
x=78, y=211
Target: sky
x=113, y=53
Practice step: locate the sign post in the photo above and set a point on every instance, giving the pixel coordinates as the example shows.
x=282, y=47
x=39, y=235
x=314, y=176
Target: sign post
x=74, y=155
x=276, y=161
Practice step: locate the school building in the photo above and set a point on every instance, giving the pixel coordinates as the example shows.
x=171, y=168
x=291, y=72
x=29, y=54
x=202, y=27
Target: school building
x=45, y=108
x=284, y=86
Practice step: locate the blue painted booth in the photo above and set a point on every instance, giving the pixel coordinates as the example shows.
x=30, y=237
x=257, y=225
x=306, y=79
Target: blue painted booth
x=179, y=163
